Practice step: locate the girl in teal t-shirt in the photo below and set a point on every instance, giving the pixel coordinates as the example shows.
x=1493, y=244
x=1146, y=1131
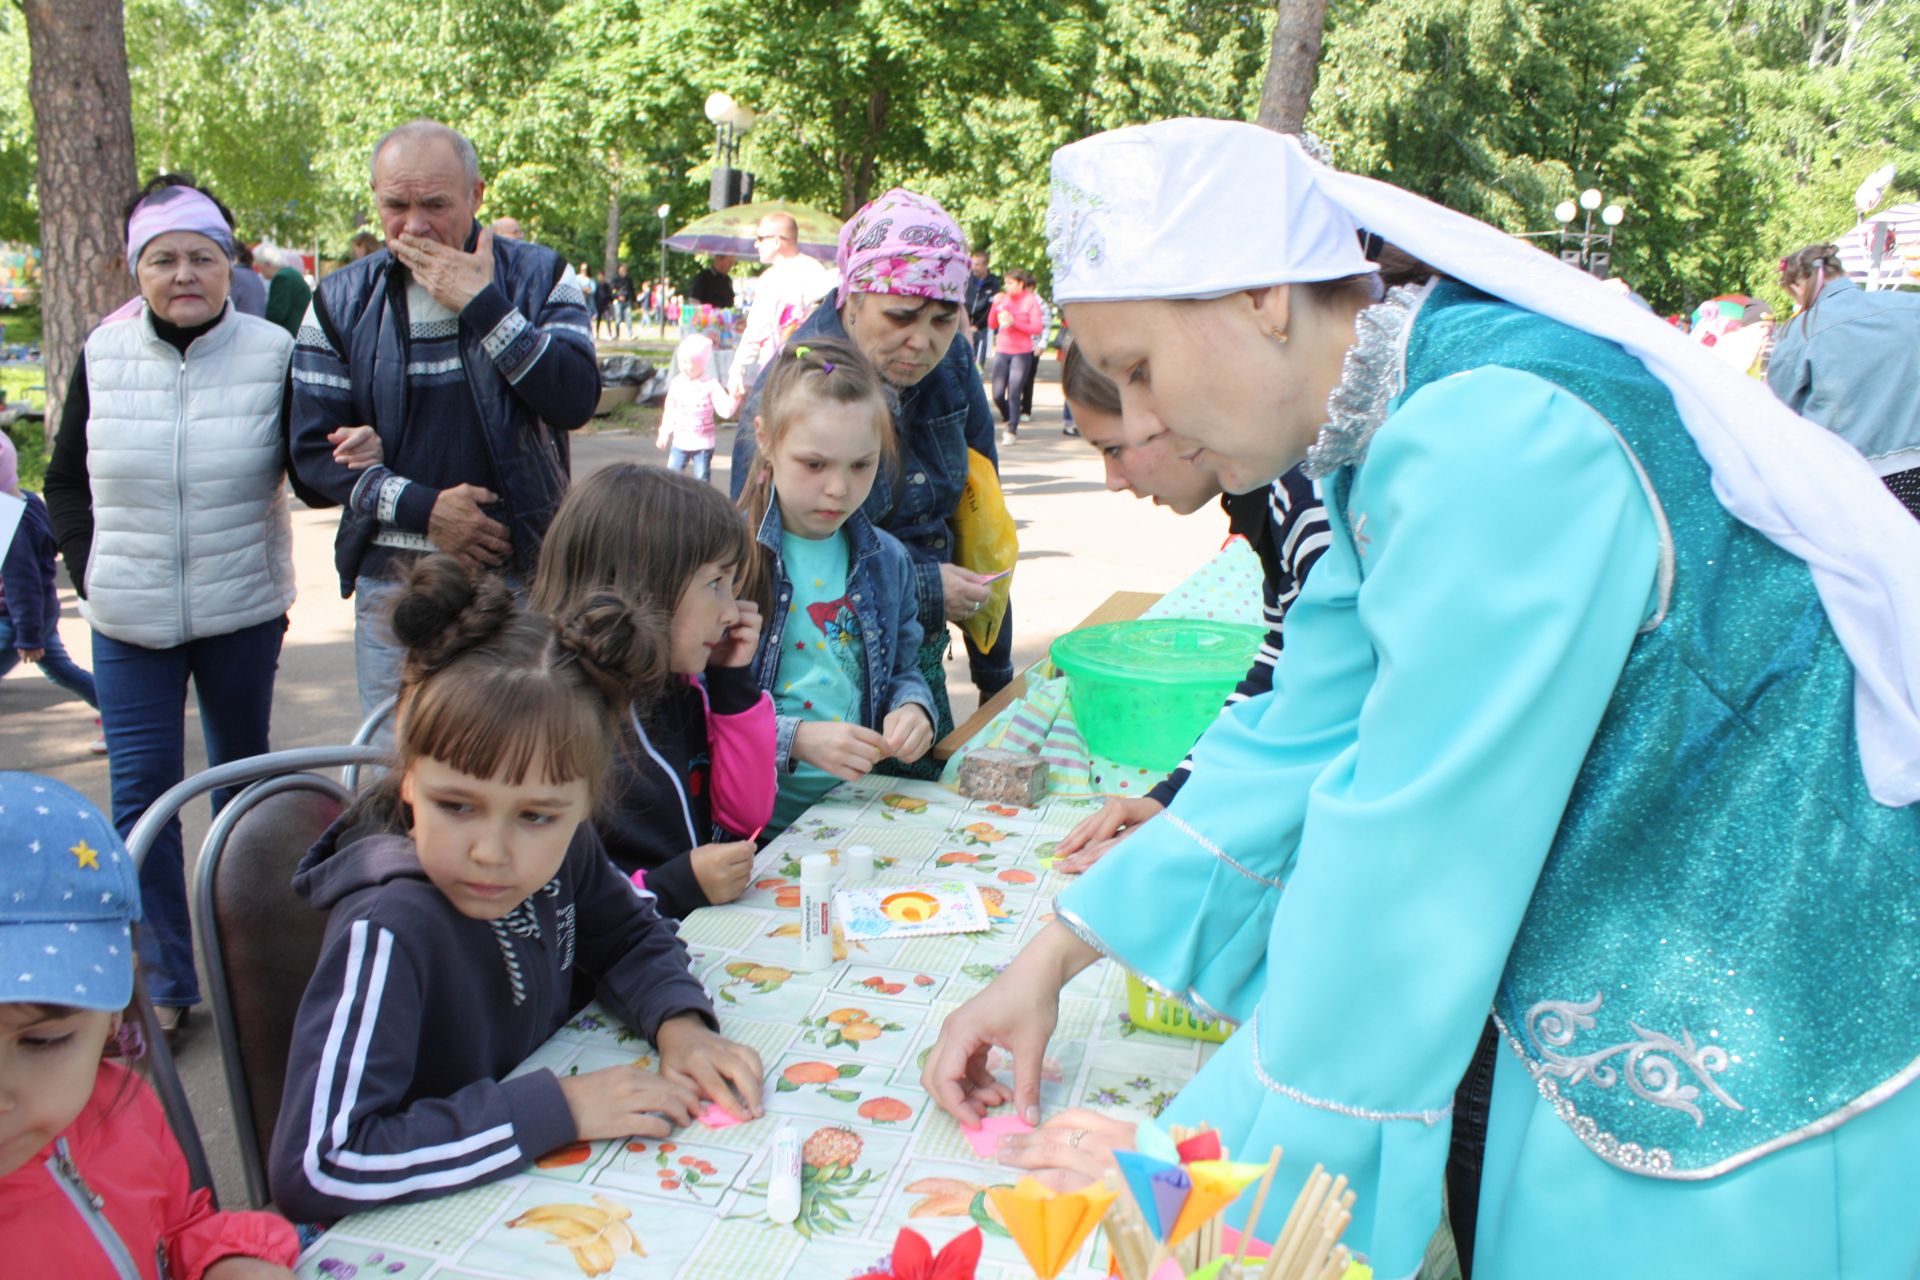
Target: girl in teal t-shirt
x=839, y=650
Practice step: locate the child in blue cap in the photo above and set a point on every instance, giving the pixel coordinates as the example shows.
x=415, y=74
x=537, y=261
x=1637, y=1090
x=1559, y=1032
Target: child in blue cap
x=92, y=1181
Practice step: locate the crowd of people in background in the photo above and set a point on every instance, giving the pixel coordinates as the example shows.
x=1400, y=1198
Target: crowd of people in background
x=695, y=672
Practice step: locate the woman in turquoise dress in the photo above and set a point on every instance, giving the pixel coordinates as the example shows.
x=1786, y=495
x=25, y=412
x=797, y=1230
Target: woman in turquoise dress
x=1599, y=714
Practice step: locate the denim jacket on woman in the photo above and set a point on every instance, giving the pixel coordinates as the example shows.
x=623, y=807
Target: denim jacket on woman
x=880, y=588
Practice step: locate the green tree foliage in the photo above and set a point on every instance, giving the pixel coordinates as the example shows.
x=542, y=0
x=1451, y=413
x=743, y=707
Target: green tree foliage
x=1728, y=131
x=1731, y=130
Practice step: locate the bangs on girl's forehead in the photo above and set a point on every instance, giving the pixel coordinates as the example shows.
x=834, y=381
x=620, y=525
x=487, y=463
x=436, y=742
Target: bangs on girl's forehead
x=514, y=727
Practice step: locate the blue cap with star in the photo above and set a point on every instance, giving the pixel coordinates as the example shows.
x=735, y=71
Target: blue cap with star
x=68, y=899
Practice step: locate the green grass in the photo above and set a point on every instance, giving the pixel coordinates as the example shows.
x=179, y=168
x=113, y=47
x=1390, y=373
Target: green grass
x=23, y=382
x=29, y=441
x=23, y=325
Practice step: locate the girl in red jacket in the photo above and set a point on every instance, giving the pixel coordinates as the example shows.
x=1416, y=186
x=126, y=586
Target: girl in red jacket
x=92, y=1182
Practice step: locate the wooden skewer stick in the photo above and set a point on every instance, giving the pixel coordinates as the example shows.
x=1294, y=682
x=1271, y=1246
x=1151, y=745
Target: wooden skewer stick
x=1336, y=1265
x=1126, y=1229
x=1259, y=1203
x=1301, y=1224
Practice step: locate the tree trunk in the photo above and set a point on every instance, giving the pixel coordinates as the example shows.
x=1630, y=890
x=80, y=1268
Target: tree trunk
x=83, y=125
x=1291, y=65
x=612, y=247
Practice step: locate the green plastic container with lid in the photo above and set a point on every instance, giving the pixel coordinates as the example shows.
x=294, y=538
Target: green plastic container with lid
x=1143, y=691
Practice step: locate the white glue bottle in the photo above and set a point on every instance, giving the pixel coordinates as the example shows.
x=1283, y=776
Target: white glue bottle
x=816, y=912
x=783, y=1176
x=856, y=864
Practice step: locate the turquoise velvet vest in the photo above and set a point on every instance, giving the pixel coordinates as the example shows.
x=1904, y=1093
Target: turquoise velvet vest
x=1722, y=955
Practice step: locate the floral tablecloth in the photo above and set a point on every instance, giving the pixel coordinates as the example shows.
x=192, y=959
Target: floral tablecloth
x=843, y=1050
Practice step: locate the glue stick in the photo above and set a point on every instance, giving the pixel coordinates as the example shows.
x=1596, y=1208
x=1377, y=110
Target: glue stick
x=783, y=1176
x=816, y=912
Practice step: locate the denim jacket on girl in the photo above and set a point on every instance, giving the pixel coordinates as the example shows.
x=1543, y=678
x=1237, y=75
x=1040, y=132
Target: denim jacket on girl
x=940, y=418
x=881, y=588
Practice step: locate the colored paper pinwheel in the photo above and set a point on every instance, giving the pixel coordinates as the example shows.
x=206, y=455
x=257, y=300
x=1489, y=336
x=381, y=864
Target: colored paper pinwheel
x=1049, y=1225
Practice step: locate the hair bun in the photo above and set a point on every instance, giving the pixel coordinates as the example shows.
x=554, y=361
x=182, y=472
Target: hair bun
x=620, y=646
x=444, y=610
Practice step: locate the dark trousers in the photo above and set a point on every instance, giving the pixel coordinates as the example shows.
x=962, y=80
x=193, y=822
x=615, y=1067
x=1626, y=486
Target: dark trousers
x=1472, y=1104
x=143, y=703
x=982, y=343
x=1012, y=376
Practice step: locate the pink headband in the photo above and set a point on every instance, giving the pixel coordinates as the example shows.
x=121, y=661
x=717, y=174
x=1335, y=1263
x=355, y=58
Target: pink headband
x=903, y=243
x=175, y=209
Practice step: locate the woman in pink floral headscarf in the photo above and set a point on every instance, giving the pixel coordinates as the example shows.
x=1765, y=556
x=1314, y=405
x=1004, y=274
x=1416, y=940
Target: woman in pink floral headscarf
x=903, y=270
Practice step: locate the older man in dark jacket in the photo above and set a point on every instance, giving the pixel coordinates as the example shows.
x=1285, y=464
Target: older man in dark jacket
x=470, y=356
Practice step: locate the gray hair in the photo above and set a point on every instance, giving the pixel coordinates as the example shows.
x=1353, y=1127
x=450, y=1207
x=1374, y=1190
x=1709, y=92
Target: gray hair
x=270, y=254
x=424, y=130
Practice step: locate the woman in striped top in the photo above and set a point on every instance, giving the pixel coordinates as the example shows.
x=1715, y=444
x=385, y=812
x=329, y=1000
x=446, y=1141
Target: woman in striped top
x=1284, y=522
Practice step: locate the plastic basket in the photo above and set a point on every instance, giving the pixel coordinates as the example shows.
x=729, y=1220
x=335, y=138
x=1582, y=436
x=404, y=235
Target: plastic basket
x=1143, y=691
x=1151, y=1011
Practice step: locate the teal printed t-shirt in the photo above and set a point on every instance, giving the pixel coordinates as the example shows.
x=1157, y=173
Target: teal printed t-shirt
x=821, y=665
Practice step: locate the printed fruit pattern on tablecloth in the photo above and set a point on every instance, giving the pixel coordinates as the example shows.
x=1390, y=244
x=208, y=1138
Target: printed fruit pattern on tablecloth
x=848, y=1027
x=955, y=1198
x=895, y=803
x=765, y=979
x=674, y=1172
x=817, y=1076
x=839, y=940
x=791, y=867
x=957, y=859
x=827, y=1178
x=980, y=833
x=591, y=1022
x=597, y=1234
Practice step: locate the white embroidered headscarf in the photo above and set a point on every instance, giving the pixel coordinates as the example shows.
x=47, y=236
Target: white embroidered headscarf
x=1201, y=208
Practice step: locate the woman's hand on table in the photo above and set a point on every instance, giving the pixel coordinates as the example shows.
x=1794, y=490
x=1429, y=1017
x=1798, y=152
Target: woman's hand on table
x=235, y=1267
x=1017, y=1012
x=723, y=869
x=742, y=640
x=963, y=591
x=720, y=1069
x=847, y=751
x=909, y=732
x=627, y=1102
x=1070, y=1150
x=1095, y=837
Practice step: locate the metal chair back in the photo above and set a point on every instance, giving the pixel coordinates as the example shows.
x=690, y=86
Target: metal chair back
x=273, y=768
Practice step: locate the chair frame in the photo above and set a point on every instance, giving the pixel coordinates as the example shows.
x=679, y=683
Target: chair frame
x=268, y=775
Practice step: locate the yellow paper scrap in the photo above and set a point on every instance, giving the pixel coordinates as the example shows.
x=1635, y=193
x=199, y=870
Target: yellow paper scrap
x=1048, y=1225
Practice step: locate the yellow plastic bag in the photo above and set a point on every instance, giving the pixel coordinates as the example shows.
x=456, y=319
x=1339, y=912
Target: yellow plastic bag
x=985, y=542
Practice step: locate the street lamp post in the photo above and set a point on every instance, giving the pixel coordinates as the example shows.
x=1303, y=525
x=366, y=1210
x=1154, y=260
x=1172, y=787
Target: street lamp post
x=1585, y=256
x=731, y=121
x=661, y=285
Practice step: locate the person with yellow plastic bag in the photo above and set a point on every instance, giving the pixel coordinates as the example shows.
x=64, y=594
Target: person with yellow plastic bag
x=903, y=270
x=988, y=545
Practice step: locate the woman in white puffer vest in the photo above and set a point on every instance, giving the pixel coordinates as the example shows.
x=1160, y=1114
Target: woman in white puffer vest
x=167, y=491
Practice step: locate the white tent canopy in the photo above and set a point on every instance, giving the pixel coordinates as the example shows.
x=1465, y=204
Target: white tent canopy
x=1883, y=251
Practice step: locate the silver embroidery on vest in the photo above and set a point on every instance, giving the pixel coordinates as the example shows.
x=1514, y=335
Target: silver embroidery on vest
x=1652, y=1064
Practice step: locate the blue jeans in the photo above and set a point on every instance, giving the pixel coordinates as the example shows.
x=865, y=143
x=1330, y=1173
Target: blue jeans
x=57, y=666
x=982, y=345
x=143, y=698
x=377, y=656
x=700, y=461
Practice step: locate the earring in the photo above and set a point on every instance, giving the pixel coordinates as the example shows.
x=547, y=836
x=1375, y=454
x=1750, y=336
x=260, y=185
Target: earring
x=1278, y=335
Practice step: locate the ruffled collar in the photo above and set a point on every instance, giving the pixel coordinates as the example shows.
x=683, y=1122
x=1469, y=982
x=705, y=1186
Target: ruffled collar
x=1373, y=372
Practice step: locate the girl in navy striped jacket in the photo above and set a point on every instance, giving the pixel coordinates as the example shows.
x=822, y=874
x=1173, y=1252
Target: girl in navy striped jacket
x=466, y=889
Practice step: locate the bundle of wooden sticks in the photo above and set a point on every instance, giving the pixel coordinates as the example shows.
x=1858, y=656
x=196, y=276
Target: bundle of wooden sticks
x=1308, y=1247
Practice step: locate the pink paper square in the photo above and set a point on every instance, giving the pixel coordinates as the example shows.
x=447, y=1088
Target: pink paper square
x=718, y=1117
x=986, y=1139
